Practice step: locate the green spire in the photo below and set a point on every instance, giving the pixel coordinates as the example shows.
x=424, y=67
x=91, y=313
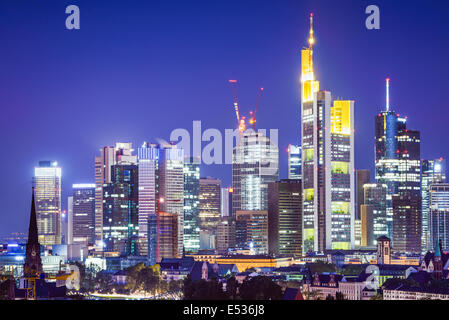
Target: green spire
x=437, y=249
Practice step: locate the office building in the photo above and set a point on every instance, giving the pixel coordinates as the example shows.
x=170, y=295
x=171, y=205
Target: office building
x=439, y=214
x=121, y=153
x=375, y=199
x=225, y=238
x=255, y=163
x=362, y=177
x=171, y=187
x=147, y=161
x=406, y=223
x=294, y=162
x=167, y=235
x=120, y=216
x=433, y=171
x=47, y=186
x=366, y=225
x=397, y=158
x=252, y=231
x=285, y=217
x=82, y=209
x=191, y=205
x=210, y=207
x=327, y=133
x=226, y=202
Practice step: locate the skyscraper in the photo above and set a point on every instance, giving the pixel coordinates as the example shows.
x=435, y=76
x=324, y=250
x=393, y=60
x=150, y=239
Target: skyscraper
x=439, y=214
x=284, y=217
x=255, y=163
x=252, y=231
x=327, y=162
x=226, y=202
x=407, y=223
x=210, y=207
x=375, y=197
x=294, y=162
x=225, y=238
x=362, y=178
x=397, y=157
x=171, y=187
x=120, y=216
x=109, y=156
x=147, y=157
x=47, y=186
x=191, y=205
x=167, y=235
x=83, y=214
x=433, y=171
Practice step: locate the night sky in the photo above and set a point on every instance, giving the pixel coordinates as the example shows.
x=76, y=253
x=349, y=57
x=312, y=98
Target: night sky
x=136, y=70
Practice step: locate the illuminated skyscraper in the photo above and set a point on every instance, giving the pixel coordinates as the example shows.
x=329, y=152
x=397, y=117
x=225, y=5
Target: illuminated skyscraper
x=327, y=163
x=284, y=217
x=255, y=163
x=147, y=156
x=433, y=171
x=225, y=238
x=120, y=210
x=210, y=207
x=375, y=204
x=439, y=214
x=191, y=205
x=397, y=157
x=109, y=156
x=83, y=214
x=294, y=162
x=171, y=187
x=362, y=178
x=47, y=186
x=252, y=230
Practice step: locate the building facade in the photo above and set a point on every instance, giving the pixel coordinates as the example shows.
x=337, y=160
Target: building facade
x=294, y=162
x=285, y=217
x=327, y=132
x=82, y=223
x=210, y=210
x=439, y=213
x=362, y=177
x=252, y=231
x=433, y=171
x=226, y=237
x=120, y=211
x=191, y=205
x=255, y=163
x=47, y=186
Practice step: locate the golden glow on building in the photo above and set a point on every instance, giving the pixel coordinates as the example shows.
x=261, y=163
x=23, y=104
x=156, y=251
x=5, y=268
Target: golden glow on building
x=341, y=117
x=309, y=85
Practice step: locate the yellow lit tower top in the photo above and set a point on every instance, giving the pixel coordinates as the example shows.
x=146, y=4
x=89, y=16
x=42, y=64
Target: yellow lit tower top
x=309, y=85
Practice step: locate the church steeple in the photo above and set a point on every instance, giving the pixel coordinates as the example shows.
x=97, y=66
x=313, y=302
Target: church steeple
x=33, y=262
x=32, y=228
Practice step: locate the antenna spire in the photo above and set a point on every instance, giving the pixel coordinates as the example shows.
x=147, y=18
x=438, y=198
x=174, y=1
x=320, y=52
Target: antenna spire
x=388, y=94
x=311, y=38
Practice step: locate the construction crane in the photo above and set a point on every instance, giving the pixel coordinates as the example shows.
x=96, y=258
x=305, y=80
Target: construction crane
x=241, y=119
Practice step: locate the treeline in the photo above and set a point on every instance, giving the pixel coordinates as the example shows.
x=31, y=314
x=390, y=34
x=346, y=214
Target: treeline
x=256, y=288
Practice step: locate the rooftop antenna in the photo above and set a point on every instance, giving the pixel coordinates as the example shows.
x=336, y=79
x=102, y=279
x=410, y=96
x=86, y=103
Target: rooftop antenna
x=388, y=94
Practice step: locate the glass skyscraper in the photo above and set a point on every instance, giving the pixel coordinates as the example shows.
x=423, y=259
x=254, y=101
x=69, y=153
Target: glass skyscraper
x=439, y=214
x=255, y=163
x=327, y=163
x=191, y=205
x=433, y=171
x=120, y=210
x=294, y=162
x=147, y=157
x=83, y=214
x=47, y=184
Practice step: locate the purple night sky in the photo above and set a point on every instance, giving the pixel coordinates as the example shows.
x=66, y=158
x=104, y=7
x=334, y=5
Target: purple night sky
x=136, y=70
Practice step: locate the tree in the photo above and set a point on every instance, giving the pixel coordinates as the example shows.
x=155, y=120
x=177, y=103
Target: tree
x=231, y=288
x=330, y=297
x=260, y=288
x=321, y=267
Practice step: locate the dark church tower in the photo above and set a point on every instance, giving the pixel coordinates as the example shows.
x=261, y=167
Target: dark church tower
x=33, y=262
x=437, y=263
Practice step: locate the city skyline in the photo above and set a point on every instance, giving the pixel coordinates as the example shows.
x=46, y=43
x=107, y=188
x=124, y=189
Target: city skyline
x=77, y=162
